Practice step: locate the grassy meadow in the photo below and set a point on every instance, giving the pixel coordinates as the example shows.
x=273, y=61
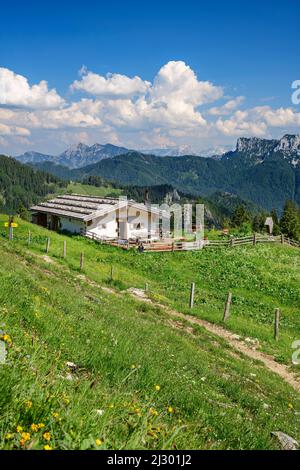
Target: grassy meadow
x=135, y=380
x=88, y=190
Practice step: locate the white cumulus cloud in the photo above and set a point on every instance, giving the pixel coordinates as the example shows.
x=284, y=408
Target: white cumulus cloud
x=112, y=85
x=16, y=91
x=13, y=130
x=175, y=108
x=226, y=108
x=177, y=82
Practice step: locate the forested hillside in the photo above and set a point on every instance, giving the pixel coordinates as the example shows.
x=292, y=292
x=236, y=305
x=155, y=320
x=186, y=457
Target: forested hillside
x=263, y=172
x=21, y=186
x=268, y=184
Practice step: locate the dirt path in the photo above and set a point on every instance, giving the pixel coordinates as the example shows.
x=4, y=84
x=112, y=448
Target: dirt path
x=234, y=340
x=231, y=338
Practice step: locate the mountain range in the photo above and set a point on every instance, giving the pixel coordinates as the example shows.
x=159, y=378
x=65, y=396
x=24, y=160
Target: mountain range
x=76, y=156
x=80, y=155
x=265, y=172
x=179, y=151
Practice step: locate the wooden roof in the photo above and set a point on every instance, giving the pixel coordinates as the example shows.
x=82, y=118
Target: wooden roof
x=85, y=208
x=76, y=206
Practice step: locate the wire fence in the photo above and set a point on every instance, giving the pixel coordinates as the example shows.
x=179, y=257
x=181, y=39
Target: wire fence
x=38, y=239
x=44, y=244
x=251, y=240
x=167, y=245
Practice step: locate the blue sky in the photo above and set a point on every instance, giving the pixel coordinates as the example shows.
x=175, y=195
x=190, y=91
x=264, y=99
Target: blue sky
x=249, y=49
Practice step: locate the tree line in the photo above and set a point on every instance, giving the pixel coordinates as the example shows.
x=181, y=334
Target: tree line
x=22, y=186
x=288, y=224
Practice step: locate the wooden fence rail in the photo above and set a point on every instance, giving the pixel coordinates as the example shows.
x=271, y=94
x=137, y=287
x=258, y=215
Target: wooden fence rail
x=251, y=240
x=161, y=245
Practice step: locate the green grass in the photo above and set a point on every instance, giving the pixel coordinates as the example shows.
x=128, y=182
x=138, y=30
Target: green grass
x=261, y=279
x=84, y=189
x=124, y=348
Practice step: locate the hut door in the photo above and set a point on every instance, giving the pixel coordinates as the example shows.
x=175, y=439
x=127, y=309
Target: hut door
x=41, y=219
x=54, y=222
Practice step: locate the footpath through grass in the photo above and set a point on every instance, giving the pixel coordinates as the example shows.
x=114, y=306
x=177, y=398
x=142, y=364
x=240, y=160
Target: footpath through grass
x=261, y=278
x=139, y=381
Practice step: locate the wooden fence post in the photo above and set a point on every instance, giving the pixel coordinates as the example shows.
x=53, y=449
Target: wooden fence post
x=254, y=238
x=192, y=293
x=227, y=307
x=232, y=241
x=146, y=287
x=65, y=249
x=282, y=238
x=10, y=233
x=276, y=324
x=111, y=273
x=81, y=261
x=48, y=245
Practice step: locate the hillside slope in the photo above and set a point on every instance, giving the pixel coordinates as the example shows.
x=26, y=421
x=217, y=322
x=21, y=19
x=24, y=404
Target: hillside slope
x=21, y=185
x=53, y=314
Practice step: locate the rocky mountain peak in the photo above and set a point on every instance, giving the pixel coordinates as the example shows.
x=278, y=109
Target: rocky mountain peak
x=255, y=145
x=289, y=144
x=76, y=148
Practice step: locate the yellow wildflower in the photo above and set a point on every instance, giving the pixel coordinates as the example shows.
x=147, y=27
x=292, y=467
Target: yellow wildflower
x=66, y=400
x=157, y=388
x=153, y=412
x=170, y=409
x=34, y=427
x=41, y=425
x=47, y=447
x=25, y=436
x=28, y=404
x=137, y=411
x=133, y=366
x=111, y=405
x=47, y=436
x=56, y=416
x=19, y=429
x=290, y=405
x=9, y=436
x=7, y=339
x=98, y=442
